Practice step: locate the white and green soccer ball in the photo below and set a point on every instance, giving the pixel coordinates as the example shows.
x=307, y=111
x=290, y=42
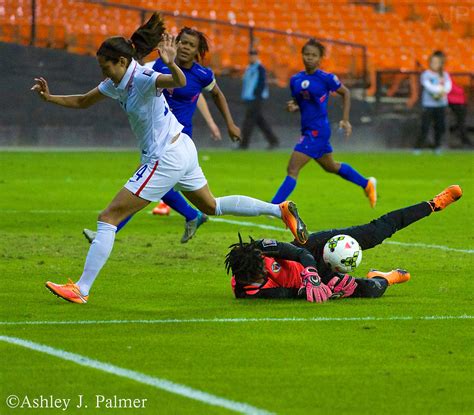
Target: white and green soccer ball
x=342, y=253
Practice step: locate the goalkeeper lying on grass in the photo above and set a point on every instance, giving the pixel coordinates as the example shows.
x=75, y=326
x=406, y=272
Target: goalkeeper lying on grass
x=267, y=268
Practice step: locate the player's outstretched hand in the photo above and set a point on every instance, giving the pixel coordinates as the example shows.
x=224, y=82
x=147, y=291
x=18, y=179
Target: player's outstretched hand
x=342, y=287
x=292, y=106
x=167, y=48
x=346, y=126
x=41, y=87
x=316, y=291
x=234, y=133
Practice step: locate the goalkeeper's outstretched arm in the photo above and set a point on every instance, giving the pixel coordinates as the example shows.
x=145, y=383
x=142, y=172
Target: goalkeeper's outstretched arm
x=284, y=250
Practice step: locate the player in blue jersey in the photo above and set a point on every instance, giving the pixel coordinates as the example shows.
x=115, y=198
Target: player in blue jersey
x=192, y=46
x=310, y=90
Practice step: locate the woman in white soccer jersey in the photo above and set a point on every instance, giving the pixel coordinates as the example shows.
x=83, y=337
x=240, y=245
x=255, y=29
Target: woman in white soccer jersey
x=168, y=157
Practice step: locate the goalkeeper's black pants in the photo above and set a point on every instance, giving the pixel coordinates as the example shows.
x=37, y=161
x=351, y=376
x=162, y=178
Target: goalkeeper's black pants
x=375, y=232
x=368, y=236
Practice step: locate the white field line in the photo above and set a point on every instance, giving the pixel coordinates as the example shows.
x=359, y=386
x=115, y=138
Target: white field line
x=248, y=224
x=158, y=383
x=234, y=320
x=430, y=246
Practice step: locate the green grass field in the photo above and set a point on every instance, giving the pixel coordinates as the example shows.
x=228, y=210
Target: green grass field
x=397, y=361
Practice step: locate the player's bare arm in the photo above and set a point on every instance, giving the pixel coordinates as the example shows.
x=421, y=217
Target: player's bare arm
x=71, y=101
x=204, y=110
x=167, y=49
x=221, y=104
x=346, y=107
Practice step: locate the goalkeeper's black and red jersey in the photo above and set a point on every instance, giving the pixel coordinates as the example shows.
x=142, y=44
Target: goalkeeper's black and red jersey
x=283, y=263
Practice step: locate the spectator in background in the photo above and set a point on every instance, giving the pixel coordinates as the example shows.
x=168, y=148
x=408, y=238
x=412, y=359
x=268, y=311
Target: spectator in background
x=457, y=101
x=254, y=91
x=436, y=85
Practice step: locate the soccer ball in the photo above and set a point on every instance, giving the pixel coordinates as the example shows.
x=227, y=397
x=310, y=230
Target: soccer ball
x=342, y=253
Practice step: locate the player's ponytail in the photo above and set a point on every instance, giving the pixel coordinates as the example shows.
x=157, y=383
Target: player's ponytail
x=147, y=36
x=142, y=42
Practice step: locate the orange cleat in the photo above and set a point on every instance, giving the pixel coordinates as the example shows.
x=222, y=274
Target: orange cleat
x=161, y=209
x=70, y=292
x=290, y=217
x=396, y=276
x=446, y=197
x=371, y=191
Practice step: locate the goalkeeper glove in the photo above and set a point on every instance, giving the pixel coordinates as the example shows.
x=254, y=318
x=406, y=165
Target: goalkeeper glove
x=316, y=291
x=342, y=287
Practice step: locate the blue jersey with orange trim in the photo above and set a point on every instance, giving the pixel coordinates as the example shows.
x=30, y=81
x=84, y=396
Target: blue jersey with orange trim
x=183, y=101
x=311, y=92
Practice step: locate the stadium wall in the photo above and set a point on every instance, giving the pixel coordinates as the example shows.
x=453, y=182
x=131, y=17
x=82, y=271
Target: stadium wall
x=27, y=121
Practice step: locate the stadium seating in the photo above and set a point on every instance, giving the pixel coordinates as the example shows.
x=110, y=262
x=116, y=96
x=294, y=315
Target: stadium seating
x=401, y=38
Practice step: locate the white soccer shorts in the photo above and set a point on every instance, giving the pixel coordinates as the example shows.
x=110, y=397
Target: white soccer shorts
x=178, y=167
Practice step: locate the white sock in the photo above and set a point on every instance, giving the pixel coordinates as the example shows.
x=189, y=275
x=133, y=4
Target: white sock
x=245, y=206
x=97, y=256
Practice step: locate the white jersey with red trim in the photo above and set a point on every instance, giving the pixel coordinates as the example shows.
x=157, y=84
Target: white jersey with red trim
x=149, y=115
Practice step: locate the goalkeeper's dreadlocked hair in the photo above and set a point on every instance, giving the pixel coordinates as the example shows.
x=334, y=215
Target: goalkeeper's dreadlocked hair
x=245, y=261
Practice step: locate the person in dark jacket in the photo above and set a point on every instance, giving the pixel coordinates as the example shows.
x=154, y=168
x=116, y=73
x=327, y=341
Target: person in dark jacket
x=254, y=91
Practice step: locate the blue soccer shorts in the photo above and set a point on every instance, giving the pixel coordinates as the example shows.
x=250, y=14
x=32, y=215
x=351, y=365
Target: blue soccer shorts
x=314, y=147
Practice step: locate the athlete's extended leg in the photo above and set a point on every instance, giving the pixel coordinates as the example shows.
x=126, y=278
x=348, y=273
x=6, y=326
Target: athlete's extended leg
x=124, y=204
x=248, y=206
x=370, y=288
x=194, y=218
x=344, y=170
x=89, y=234
x=297, y=162
x=348, y=173
x=376, y=283
x=375, y=232
x=177, y=202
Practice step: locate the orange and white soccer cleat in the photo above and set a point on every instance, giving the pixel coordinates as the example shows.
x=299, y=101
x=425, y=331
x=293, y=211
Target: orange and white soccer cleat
x=446, y=197
x=70, y=292
x=290, y=217
x=371, y=191
x=396, y=276
x=161, y=209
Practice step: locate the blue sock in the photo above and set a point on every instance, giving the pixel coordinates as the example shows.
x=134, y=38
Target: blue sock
x=285, y=190
x=123, y=223
x=348, y=173
x=177, y=202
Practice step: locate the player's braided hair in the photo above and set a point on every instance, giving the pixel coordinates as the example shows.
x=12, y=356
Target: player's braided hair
x=203, y=44
x=316, y=44
x=142, y=42
x=245, y=261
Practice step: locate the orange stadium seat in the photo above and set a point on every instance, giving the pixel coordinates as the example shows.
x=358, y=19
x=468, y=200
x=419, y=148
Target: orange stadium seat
x=401, y=38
